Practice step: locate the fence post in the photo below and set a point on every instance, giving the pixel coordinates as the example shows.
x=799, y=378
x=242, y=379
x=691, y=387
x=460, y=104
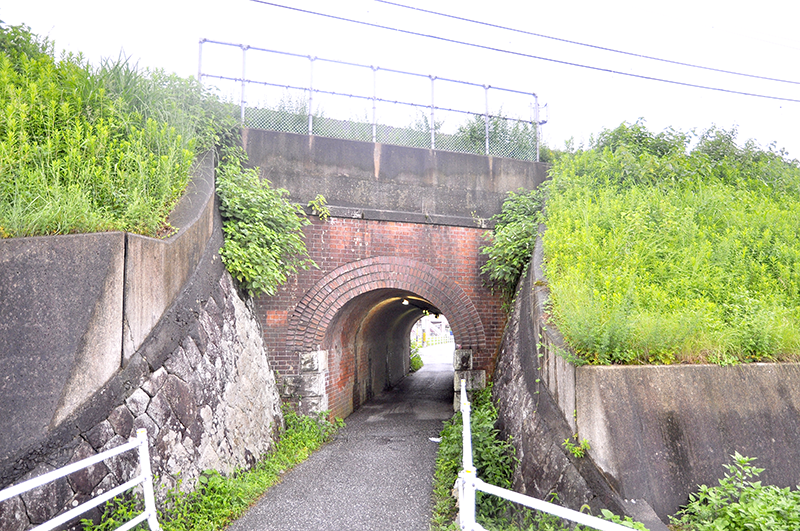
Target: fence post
x=536, y=123
x=433, y=123
x=241, y=100
x=200, y=62
x=374, y=98
x=486, y=118
x=311, y=95
x=147, y=485
x=466, y=478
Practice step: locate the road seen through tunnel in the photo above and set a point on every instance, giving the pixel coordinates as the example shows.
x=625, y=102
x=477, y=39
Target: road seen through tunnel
x=377, y=474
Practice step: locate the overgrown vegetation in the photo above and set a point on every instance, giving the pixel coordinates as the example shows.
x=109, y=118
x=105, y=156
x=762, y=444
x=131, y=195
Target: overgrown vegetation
x=494, y=460
x=493, y=457
x=739, y=502
x=657, y=253
x=219, y=500
x=511, y=243
x=86, y=149
x=264, y=243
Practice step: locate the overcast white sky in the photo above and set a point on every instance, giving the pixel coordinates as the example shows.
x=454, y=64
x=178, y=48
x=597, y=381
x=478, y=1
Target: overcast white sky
x=759, y=39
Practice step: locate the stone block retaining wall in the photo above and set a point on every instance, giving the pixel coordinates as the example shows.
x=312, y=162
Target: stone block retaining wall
x=199, y=380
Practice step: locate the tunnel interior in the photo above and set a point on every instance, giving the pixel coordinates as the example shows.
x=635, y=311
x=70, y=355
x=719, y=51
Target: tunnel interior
x=368, y=344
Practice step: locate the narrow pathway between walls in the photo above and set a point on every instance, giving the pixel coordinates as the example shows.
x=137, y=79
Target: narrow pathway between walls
x=378, y=471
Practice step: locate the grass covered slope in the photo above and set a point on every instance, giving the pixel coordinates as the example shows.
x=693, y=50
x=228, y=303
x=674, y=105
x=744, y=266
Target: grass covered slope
x=85, y=149
x=656, y=253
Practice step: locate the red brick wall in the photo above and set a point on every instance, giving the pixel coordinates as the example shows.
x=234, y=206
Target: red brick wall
x=356, y=256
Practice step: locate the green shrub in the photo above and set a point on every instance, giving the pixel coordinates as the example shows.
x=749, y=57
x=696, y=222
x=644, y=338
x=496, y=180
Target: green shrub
x=264, y=243
x=738, y=502
x=512, y=241
x=493, y=457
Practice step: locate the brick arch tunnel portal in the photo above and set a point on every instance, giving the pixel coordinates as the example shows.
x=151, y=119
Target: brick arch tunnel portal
x=352, y=330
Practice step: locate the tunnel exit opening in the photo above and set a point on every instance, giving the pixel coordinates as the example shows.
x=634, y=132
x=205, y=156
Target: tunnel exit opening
x=432, y=341
x=369, y=343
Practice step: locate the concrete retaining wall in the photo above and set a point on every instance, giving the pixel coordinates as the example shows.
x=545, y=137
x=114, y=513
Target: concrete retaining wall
x=656, y=432
x=73, y=310
x=183, y=356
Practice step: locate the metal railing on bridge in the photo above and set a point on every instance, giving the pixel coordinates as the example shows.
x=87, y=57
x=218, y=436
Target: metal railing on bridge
x=468, y=484
x=293, y=98
x=145, y=479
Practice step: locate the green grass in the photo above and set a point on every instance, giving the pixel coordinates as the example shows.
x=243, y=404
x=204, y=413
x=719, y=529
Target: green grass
x=219, y=500
x=657, y=253
x=672, y=256
x=88, y=149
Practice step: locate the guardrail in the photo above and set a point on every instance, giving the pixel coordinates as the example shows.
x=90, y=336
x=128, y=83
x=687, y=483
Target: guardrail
x=145, y=478
x=488, y=130
x=468, y=484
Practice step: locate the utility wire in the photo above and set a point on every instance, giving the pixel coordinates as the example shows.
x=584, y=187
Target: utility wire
x=631, y=54
x=521, y=54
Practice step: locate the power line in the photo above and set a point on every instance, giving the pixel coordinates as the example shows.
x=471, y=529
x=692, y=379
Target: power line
x=631, y=54
x=528, y=56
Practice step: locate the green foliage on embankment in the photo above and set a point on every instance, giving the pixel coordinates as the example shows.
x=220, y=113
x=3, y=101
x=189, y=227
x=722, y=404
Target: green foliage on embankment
x=88, y=149
x=658, y=253
x=93, y=149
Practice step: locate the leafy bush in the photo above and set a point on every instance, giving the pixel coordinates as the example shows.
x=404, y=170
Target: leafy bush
x=658, y=255
x=219, y=500
x=512, y=241
x=740, y=503
x=415, y=363
x=263, y=230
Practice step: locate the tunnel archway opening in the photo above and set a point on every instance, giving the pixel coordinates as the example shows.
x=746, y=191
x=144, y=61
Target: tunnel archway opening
x=350, y=332
x=368, y=344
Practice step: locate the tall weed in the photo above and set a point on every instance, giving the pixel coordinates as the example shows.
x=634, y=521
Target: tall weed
x=85, y=149
x=658, y=255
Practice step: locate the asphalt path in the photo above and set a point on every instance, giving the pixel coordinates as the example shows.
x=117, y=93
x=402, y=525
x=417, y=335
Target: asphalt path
x=377, y=474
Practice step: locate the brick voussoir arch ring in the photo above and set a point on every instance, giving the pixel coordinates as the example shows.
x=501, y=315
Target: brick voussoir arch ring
x=320, y=304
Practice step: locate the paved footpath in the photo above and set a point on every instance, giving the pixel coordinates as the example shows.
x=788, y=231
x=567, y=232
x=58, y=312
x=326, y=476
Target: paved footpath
x=377, y=473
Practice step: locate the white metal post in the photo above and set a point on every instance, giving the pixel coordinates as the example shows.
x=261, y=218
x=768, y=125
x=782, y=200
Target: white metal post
x=486, y=119
x=200, y=62
x=147, y=485
x=311, y=95
x=536, y=123
x=241, y=99
x=374, y=98
x=432, y=124
x=467, y=476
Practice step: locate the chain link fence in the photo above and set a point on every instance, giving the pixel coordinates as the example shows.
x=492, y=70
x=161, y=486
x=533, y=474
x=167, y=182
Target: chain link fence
x=282, y=91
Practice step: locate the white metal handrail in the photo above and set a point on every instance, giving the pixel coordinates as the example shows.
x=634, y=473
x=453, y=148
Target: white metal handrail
x=468, y=484
x=145, y=478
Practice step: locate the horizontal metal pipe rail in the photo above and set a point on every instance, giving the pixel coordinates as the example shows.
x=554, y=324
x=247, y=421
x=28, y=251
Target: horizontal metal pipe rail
x=310, y=90
x=145, y=478
x=468, y=484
